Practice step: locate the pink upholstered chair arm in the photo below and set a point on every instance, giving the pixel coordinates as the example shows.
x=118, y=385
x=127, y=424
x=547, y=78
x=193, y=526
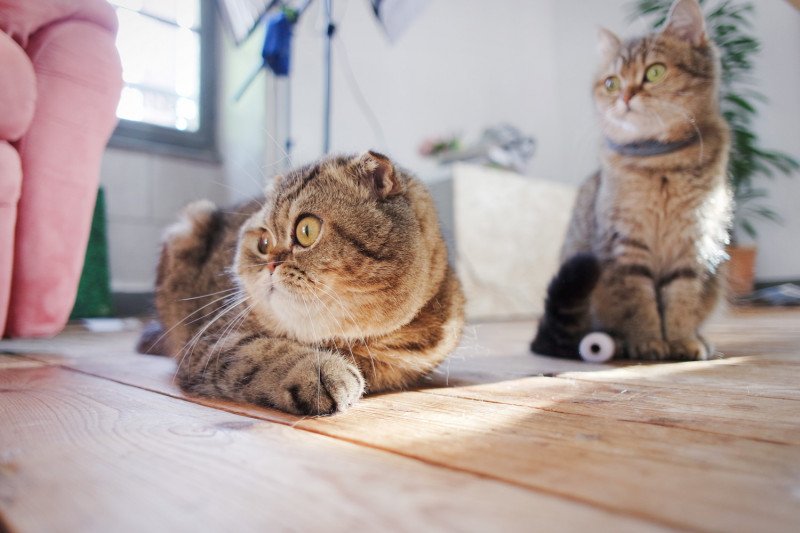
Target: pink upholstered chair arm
x=21, y=19
x=17, y=90
x=78, y=83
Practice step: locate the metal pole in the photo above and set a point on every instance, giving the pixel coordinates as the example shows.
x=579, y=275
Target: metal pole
x=326, y=107
x=288, y=124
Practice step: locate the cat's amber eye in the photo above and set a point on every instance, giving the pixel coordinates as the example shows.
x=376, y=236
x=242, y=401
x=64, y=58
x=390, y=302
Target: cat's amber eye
x=307, y=230
x=655, y=72
x=263, y=244
x=611, y=84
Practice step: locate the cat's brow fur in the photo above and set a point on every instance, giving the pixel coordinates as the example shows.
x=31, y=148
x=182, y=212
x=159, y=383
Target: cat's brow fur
x=657, y=224
x=372, y=305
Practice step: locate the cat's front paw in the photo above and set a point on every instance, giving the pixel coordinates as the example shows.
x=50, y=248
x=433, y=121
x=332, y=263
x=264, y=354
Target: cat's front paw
x=648, y=349
x=689, y=349
x=321, y=383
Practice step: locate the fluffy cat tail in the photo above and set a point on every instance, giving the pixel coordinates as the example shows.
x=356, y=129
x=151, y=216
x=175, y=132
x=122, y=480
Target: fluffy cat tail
x=566, y=309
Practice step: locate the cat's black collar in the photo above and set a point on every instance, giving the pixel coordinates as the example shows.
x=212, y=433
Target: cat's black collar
x=651, y=148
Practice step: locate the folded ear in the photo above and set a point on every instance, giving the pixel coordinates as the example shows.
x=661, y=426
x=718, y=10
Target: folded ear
x=685, y=21
x=607, y=43
x=377, y=173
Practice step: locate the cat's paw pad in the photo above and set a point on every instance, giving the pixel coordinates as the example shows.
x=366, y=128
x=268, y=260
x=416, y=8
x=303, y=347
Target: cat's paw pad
x=648, y=350
x=691, y=349
x=322, y=384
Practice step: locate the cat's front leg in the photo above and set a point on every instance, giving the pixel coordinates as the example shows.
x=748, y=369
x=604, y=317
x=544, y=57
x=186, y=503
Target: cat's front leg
x=277, y=373
x=687, y=300
x=624, y=303
x=320, y=383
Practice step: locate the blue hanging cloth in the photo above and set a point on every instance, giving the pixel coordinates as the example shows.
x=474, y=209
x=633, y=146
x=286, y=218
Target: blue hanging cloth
x=277, y=51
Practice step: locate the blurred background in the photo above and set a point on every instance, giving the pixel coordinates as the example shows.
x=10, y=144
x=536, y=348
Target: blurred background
x=455, y=69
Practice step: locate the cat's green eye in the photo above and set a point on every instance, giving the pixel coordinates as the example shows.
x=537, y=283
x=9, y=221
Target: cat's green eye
x=611, y=84
x=263, y=244
x=655, y=72
x=307, y=230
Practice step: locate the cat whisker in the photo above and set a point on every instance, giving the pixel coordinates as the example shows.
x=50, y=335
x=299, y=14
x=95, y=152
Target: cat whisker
x=244, y=194
x=207, y=295
x=241, y=317
x=659, y=118
x=339, y=325
x=318, y=348
x=329, y=291
x=691, y=120
x=259, y=265
x=230, y=296
x=188, y=349
x=286, y=155
x=277, y=163
x=154, y=343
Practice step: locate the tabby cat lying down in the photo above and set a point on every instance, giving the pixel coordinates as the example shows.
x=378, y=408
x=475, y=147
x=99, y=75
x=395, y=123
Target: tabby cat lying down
x=337, y=284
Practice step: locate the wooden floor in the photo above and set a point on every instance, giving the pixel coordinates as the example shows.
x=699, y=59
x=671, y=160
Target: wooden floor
x=96, y=438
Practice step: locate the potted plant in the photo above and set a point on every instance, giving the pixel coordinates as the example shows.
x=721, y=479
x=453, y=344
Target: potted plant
x=729, y=26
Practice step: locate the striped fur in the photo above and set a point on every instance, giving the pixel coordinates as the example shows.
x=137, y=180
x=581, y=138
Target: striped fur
x=371, y=305
x=658, y=224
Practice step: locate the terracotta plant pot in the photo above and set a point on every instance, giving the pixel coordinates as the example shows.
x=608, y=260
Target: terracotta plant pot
x=741, y=270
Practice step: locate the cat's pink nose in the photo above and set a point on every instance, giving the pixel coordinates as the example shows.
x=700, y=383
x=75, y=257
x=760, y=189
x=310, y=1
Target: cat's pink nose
x=627, y=95
x=276, y=258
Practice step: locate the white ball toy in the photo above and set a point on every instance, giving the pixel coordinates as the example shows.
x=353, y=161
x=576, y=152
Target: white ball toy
x=597, y=347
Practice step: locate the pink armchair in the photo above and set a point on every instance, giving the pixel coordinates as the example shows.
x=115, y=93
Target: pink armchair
x=60, y=81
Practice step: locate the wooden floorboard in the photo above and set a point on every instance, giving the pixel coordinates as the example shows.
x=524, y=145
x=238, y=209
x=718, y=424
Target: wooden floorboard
x=702, y=410
x=87, y=454
x=768, y=379
x=699, y=445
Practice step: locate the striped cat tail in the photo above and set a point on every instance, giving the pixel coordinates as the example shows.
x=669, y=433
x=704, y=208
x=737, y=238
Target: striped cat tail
x=566, y=309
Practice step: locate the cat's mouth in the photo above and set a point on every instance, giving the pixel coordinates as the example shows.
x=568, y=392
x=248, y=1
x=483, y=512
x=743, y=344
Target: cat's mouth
x=280, y=294
x=292, y=282
x=623, y=121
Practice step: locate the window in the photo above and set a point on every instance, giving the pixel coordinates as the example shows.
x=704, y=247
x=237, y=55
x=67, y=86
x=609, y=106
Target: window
x=167, y=52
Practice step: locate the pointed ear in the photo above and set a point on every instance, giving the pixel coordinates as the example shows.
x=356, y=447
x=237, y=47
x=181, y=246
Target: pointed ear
x=607, y=43
x=376, y=172
x=685, y=21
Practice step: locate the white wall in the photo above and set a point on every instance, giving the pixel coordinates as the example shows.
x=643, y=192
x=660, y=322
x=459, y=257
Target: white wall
x=778, y=73
x=462, y=66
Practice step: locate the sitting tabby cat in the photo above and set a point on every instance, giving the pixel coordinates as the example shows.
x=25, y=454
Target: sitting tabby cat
x=338, y=283
x=648, y=232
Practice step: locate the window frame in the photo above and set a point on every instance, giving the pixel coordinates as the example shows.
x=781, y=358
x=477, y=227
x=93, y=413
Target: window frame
x=200, y=144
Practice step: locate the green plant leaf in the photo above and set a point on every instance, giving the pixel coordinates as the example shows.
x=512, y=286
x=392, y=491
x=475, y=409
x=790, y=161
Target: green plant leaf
x=748, y=228
x=740, y=101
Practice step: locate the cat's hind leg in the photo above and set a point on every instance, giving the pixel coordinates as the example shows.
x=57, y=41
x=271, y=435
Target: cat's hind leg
x=625, y=305
x=191, y=238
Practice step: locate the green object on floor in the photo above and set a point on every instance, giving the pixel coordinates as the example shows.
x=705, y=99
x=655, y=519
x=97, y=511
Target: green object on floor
x=94, y=289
